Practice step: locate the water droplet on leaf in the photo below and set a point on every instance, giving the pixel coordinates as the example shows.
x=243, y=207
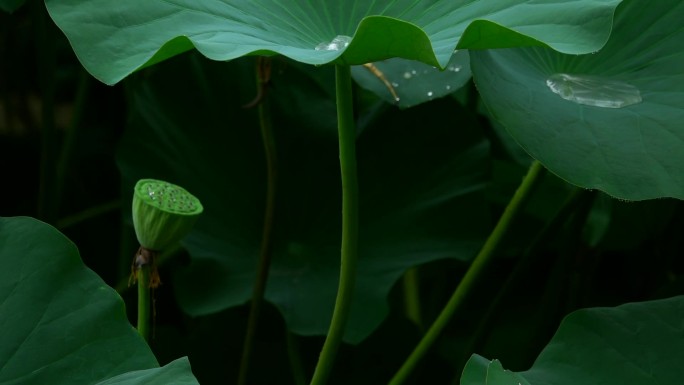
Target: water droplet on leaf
x=338, y=43
x=594, y=90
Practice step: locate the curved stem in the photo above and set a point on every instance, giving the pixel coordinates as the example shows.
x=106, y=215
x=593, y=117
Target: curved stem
x=144, y=301
x=471, y=276
x=574, y=200
x=350, y=218
x=264, y=263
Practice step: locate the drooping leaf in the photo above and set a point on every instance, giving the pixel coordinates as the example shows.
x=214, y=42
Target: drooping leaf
x=113, y=39
x=614, y=120
x=407, y=83
x=632, y=344
x=419, y=181
x=59, y=322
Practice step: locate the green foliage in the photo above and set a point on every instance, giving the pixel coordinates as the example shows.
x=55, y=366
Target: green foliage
x=61, y=324
x=113, y=39
x=599, y=105
x=631, y=344
x=635, y=152
x=175, y=373
x=434, y=217
x=408, y=83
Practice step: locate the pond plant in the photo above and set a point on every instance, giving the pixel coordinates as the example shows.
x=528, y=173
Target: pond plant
x=395, y=151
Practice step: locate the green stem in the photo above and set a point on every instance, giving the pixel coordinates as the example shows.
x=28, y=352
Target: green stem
x=264, y=263
x=473, y=274
x=412, y=297
x=350, y=221
x=529, y=258
x=144, y=301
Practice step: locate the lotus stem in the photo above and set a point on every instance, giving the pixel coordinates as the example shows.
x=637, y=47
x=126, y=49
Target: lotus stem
x=474, y=273
x=350, y=225
x=264, y=264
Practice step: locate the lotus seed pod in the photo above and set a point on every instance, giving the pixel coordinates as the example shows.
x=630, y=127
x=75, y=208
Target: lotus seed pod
x=163, y=213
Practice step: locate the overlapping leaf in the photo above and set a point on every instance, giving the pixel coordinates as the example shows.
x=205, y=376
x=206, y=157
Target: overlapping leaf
x=634, y=152
x=174, y=373
x=407, y=83
x=113, y=39
x=59, y=322
x=419, y=181
x=632, y=344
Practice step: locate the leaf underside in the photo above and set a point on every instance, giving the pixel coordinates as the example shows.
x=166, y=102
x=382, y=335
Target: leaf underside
x=113, y=39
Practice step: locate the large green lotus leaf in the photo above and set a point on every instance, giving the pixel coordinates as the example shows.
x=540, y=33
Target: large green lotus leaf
x=632, y=344
x=615, y=120
x=407, y=83
x=59, y=322
x=114, y=38
x=420, y=174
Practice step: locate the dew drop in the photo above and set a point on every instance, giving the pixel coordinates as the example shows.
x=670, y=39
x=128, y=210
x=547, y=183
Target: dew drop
x=395, y=85
x=594, y=90
x=454, y=68
x=397, y=99
x=407, y=75
x=448, y=87
x=429, y=93
x=413, y=72
x=338, y=43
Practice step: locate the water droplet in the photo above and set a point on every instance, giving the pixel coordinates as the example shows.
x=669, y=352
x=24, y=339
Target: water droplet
x=397, y=99
x=395, y=85
x=594, y=90
x=407, y=75
x=413, y=72
x=454, y=68
x=338, y=43
x=429, y=93
x=448, y=87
